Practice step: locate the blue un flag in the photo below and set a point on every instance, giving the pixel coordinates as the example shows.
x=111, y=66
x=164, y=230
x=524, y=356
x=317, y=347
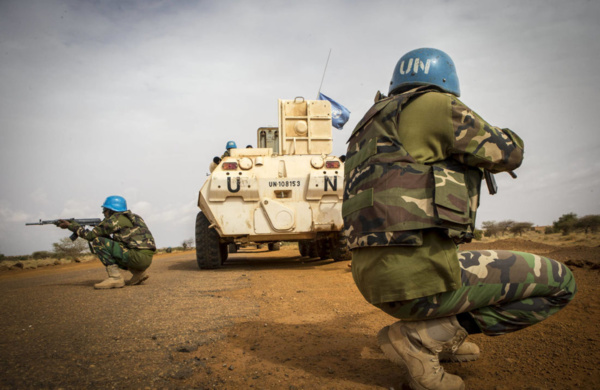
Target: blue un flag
x=339, y=113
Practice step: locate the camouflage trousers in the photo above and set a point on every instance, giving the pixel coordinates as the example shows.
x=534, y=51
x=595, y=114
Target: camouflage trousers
x=503, y=291
x=111, y=252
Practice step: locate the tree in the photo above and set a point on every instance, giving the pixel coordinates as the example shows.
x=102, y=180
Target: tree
x=566, y=223
x=491, y=228
x=504, y=226
x=549, y=230
x=588, y=223
x=72, y=249
x=519, y=227
x=189, y=243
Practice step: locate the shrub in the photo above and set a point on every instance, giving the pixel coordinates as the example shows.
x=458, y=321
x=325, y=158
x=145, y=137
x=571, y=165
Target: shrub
x=42, y=255
x=70, y=249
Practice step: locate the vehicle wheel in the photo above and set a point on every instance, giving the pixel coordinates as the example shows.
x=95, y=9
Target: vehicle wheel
x=210, y=254
x=274, y=246
x=224, y=252
x=303, y=248
x=340, y=251
x=324, y=247
x=313, y=249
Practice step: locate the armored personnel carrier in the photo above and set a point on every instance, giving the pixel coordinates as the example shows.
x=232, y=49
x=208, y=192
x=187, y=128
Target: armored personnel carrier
x=288, y=188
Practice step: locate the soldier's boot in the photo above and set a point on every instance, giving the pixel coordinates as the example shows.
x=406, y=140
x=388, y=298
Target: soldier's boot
x=138, y=277
x=115, y=279
x=467, y=352
x=416, y=346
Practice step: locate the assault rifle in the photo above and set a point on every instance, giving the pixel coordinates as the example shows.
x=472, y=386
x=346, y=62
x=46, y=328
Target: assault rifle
x=491, y=181
x=82, y=222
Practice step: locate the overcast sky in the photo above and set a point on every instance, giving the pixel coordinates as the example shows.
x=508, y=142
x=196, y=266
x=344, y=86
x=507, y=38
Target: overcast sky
x=135, y=97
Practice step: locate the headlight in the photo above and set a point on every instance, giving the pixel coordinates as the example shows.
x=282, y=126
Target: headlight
x=245, y=163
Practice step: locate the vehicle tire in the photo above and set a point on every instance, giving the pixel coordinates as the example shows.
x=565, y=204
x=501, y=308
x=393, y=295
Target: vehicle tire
x=274, y=246
x=224, y=252
x=340, y=251
x=210, y=254
x=313, y=249
x=303, y=248
x=324, y=247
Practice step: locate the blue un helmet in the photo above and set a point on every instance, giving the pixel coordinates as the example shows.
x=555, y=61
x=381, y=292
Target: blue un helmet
x=230, y=145
x=425, y=66
x=115, y=203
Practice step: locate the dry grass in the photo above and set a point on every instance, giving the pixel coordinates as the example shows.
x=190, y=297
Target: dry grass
x=590, y=239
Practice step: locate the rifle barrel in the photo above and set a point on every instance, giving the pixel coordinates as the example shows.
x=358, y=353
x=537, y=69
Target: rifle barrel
x=83, y=221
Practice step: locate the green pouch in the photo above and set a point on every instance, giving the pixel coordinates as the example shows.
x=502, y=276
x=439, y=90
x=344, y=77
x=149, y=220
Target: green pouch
x=451, y=197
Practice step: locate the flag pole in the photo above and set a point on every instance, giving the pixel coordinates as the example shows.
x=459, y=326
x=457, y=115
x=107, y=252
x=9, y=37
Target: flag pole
x=324, y=70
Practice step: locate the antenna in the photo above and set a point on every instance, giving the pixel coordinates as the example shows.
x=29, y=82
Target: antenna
x=324, y=70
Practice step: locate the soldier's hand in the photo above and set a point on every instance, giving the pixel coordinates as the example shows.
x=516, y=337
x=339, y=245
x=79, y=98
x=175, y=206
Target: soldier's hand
x=63, y=224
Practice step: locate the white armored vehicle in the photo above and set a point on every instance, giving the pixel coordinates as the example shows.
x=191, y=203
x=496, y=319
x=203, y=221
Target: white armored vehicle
x=287, y=189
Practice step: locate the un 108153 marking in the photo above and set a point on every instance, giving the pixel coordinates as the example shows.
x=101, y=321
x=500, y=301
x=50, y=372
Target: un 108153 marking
x=284, y=183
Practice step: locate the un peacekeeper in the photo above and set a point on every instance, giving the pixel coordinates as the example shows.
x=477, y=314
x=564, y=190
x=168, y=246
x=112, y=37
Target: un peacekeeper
x=230, y=145
x=121, y=240
x=215, y=162
x=412, y=179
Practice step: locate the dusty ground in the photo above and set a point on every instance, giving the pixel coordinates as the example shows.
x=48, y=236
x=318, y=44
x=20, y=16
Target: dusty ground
x=268, y=320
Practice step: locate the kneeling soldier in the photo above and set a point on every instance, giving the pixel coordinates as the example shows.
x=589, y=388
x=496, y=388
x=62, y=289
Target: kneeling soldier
x=121, y=240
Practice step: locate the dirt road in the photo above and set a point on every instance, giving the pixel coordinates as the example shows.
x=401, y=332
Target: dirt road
x=268, y=320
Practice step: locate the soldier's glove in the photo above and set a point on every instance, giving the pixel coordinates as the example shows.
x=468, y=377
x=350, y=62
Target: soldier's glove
x=63, y=224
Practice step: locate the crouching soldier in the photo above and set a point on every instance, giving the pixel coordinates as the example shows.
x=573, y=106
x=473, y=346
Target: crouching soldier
x=121, y=240
x=413, y=172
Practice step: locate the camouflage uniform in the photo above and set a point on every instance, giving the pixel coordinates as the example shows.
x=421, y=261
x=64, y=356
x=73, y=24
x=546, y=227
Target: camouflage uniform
x=123, y=239
x=412, y=179
x=503, y=291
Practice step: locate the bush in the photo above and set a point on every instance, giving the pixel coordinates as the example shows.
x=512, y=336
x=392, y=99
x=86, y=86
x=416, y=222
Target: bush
x=70, y=249
x=477, y=234
x=42, y=255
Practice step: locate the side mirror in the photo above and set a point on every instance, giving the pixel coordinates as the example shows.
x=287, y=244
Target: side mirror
x=217, y=160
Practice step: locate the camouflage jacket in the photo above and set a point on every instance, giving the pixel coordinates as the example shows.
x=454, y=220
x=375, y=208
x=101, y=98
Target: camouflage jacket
x=390, y=195
x=126, y=227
